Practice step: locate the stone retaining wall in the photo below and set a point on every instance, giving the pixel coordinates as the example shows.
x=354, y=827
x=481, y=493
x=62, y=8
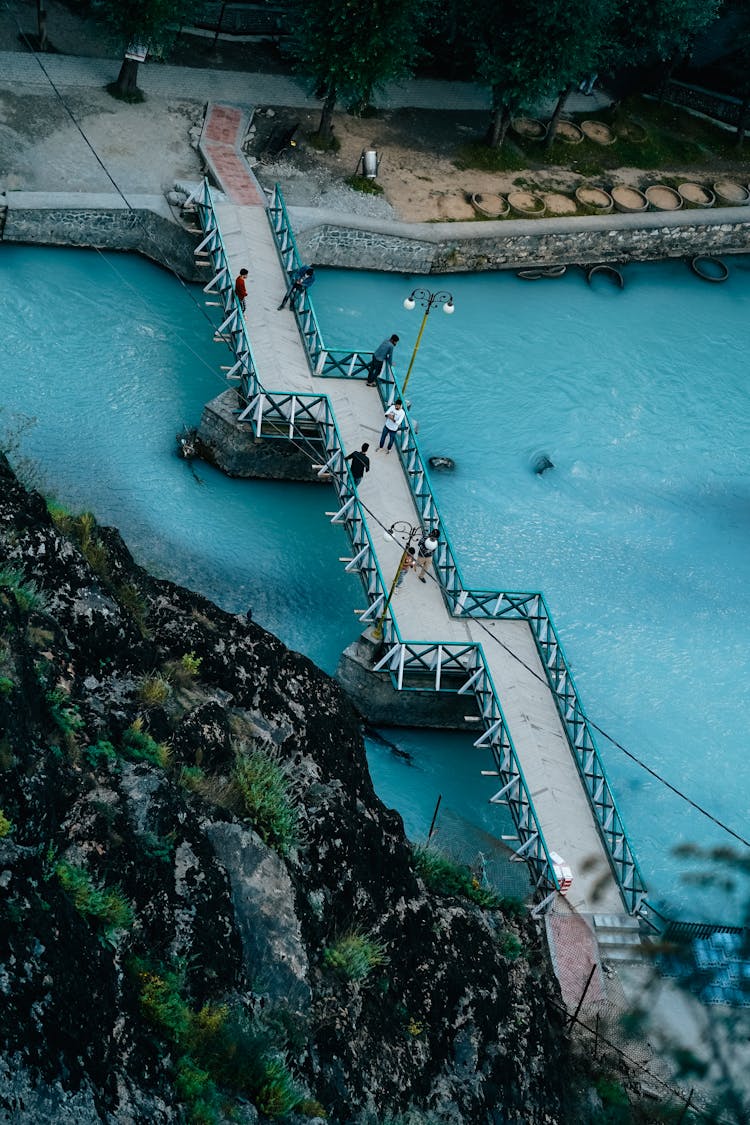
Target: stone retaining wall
x=104, y=221
x=361, y=243
x=356, y=242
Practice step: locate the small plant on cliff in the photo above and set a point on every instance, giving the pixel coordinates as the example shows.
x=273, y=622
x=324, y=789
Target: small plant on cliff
x=134, y=604
x=6, y=686
x=6, y=825
x=445, y=877
x=355, y=955
x=106, y=905
x=191, y=664
x=65, y=714
x=153, y=691
x=27, y=595
x=221, y=1048
x=140, y=746
x=265, y=796
x=102, y=753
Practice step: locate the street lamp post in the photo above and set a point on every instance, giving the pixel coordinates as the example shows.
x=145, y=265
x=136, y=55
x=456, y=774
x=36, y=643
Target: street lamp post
x=399, y=528
x=428, y=301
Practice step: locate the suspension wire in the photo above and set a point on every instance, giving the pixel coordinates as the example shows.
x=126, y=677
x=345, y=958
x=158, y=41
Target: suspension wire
x=314, y=456
x=600, y=730
x=159, y=254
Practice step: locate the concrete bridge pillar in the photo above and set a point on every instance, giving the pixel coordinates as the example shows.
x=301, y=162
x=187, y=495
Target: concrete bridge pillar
x=380, y=703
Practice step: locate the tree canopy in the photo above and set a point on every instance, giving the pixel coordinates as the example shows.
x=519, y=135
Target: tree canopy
x=352, y=47
x=151, y=23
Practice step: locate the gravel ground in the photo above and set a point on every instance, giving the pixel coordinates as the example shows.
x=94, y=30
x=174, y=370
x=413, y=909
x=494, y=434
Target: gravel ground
x=145, y=148
x=319, y=187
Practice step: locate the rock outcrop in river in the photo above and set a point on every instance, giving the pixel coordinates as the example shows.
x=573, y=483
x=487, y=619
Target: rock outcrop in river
x=206, y=914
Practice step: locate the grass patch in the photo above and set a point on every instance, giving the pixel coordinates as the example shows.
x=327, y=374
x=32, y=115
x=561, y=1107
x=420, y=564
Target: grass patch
x=475, y=155
x=220, y=1048
x=132, y=601
x=363, y=184
x=139, y=746
x=6, y=825
x=154, y=690
x=355, y=955
x=264, y=791
x=445, y=877
x=27, y=595
x=108, y=906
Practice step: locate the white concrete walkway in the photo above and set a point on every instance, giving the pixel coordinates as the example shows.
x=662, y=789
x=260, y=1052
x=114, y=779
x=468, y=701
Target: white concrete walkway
x=551, y=773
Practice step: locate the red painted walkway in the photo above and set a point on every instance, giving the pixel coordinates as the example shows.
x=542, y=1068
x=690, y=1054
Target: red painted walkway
x=221, y=140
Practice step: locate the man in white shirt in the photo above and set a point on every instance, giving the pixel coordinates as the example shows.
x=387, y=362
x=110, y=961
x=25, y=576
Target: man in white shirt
x=394, y=416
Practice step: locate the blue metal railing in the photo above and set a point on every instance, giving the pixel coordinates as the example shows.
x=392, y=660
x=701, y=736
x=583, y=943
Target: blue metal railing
x=465, y=602
x=284, y=413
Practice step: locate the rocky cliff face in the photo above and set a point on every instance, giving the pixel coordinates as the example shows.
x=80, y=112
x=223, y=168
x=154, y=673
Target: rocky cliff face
x=206, y=914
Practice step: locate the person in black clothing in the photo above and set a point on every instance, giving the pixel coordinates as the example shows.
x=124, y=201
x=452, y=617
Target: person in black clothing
x=300, y=280
x=360, y=462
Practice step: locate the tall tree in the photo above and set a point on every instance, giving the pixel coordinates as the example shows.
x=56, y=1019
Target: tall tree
x=580, y=34
x=350, y=47
x=658, y=31
x=150, y=23
x=521, y=53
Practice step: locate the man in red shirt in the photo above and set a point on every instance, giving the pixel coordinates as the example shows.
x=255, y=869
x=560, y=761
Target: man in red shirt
x=240, y=288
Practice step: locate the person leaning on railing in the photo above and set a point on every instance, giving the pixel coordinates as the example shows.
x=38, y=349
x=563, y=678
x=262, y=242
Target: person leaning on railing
x=383, y=354
x=301, y=280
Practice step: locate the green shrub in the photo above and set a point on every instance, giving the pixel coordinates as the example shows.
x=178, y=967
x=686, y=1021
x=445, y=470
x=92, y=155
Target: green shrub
x=138, y=745
x=6, y=825
x=65, y=714
x=363, y=184
x=511, y=946
x=196, y=1089
x=309, y=1107
x=154, y=690
x=279, y=1093
x=6, y=686
x=134, y=604
x=221, y=1048
x=28, y=596
x=263, y=787
x=355, y=955
x=611, y=1092
x=102, y=753
x=191, y=664
x=445, y=877
x=106, y=905
x=60, y=516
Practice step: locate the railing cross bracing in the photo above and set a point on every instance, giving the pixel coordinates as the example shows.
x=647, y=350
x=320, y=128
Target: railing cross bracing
x=404, y=659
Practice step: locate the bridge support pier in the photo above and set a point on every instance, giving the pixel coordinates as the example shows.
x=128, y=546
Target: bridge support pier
x=376, y=698
x=231, y=446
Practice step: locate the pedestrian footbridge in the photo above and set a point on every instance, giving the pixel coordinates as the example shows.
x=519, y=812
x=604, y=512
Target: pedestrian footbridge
x=498, y=649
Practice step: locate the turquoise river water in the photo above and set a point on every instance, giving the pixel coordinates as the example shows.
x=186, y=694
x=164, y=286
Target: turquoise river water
x=639, y=537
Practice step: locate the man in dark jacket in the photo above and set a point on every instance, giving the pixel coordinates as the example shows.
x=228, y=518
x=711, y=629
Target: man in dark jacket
x=360, y=462
x=301, y=280
x=383, y=354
